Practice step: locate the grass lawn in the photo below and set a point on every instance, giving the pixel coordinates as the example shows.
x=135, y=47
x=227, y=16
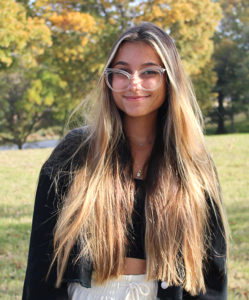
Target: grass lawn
x=18, y=177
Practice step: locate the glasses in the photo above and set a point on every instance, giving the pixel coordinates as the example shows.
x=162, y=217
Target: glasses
x=148, y=79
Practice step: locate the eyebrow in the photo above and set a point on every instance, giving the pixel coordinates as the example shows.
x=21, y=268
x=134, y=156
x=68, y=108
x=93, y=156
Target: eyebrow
x=123, y=63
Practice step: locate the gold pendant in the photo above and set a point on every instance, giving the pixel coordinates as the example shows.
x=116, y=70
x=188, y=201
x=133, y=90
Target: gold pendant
x=139, y=173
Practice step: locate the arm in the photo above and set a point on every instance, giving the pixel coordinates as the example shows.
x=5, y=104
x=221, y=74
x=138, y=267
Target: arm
x=216, y=274
x=44, y=220
x=41, y=247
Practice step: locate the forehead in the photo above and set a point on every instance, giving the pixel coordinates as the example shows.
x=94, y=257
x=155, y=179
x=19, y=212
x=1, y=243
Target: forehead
x=136, y=54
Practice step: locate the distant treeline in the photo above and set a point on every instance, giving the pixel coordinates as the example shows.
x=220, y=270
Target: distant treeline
x=51, y=51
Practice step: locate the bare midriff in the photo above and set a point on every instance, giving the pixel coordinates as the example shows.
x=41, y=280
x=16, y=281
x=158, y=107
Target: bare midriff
x=134, y=266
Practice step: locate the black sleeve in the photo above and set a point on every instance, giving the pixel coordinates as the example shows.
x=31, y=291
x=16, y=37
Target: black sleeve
x=41, y=247
x=216, y=273
x=36, y=287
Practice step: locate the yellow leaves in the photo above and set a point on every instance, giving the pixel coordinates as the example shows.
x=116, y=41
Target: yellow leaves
x=112, y=21
x=48, y=99
x=39, y=30
x=39, y=3
x=69, y=53
x=62, y=84
x=59, y=54
x=71, y=30
x=74, y=21
x=105, y=4
x=191, y=24
x=11, y=22
x=33, y=93
x=4, y=58
x=20, y=35
x=66, y=59
x=84, y=41
x=157, y=11
x=183, y=12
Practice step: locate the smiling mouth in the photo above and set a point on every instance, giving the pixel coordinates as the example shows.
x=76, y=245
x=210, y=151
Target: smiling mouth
x=135, y=97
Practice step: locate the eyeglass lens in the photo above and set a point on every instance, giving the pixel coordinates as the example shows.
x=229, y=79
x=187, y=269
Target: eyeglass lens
x=149, y=80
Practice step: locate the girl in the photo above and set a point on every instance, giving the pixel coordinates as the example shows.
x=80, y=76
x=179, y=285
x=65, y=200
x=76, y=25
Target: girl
x=129, y=206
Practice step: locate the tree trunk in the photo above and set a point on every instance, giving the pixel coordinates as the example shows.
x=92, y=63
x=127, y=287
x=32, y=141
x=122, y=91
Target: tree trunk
x=221, y=126
x=19, y=144
x=232, y=120
x=247, y=113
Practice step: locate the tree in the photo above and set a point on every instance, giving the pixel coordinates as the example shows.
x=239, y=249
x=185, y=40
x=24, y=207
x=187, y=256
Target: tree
x=27, y=99
x=19, y=35
x=204, y=82
x=38, y=63
x=232, y=61
x=22, y=40
x=71, y=33
x=191, y=23
x=82, y=33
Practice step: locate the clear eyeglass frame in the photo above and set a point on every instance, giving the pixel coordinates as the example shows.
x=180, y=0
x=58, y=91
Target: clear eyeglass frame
x=107, y=71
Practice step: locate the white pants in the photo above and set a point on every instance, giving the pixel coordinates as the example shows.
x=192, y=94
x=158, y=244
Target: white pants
x=126, y=287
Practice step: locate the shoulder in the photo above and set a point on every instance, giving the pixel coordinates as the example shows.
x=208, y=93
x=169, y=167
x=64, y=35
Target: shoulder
x=72, y=140
x=69, y=153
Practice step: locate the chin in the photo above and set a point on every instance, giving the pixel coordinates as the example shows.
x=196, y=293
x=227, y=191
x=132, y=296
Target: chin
x=134, y=114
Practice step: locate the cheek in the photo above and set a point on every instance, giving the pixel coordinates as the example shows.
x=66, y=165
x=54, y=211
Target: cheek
x=117, y=99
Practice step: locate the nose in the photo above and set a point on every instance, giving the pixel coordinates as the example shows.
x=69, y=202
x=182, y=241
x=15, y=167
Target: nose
x=135, y=83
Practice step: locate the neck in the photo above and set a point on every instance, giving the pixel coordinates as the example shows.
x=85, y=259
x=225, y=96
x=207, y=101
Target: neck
x=140, y=129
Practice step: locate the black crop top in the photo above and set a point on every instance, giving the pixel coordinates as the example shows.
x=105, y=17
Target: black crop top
x=136, y=235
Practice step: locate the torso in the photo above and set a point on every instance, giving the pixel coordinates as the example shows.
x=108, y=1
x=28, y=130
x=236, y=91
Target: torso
x=134, y=266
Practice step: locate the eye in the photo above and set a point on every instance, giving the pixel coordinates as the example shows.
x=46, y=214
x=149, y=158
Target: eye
x=118, y=74
x=149, y=73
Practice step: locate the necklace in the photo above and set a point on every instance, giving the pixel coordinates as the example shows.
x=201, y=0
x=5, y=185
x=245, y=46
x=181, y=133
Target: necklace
x=141, y=144
x=139, y=173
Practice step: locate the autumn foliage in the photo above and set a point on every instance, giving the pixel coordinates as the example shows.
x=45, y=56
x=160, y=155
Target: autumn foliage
x=21, y=35
x=68, y=41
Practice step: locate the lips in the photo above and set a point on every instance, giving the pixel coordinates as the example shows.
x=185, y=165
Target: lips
x=135, y=98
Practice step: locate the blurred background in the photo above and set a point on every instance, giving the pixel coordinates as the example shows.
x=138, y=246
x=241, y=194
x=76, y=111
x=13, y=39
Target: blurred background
x=51, y=56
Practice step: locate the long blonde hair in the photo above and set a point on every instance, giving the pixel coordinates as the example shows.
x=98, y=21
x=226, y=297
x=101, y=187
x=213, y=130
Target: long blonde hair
x=181, y=176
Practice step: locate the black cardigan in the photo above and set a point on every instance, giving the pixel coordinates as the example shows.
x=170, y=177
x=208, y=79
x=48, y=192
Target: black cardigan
x=41, y=242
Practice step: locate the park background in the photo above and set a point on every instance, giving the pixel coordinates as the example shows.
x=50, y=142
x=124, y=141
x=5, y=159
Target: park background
x=51, y=56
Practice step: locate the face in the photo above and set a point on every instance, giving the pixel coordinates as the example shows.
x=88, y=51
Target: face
x=136, y=102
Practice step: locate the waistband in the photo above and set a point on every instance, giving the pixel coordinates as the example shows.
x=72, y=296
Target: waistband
x=125, y=287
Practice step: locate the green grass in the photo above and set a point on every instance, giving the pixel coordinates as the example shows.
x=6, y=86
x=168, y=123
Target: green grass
x=18, y=177
x=231, y=156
